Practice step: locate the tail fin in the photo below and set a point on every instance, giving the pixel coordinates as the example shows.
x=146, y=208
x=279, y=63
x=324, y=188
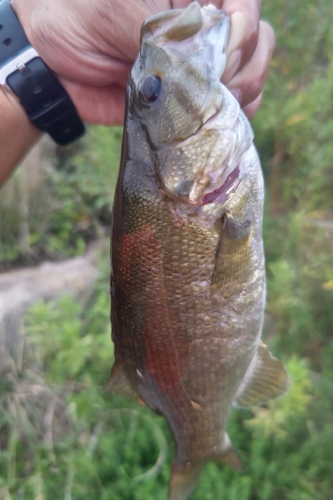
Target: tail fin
x=184, y=478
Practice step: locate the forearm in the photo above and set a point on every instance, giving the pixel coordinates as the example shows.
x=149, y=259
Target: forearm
x=17, y=134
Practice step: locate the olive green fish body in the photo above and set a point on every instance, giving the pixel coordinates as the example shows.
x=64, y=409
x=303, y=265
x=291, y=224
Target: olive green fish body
x=188, y=279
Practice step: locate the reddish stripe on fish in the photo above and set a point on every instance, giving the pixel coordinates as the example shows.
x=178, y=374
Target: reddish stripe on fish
x=138, y=249
x=133, y=243
x=142, y=250
x=164, y=351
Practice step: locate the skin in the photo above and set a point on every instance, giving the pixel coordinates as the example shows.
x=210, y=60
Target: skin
x=17, y=134
x=88, y=44
x=188, y=279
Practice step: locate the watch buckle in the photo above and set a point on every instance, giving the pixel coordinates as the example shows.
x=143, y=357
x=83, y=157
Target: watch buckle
x=17, y=63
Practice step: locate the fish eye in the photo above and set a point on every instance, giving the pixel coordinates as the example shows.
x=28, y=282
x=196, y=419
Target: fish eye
x=150, y=88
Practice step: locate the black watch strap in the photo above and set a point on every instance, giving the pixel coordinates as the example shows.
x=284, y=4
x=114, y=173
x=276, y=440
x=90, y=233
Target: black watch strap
x=45, y=101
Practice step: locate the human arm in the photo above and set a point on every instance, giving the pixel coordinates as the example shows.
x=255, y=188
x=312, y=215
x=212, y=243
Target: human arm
x=17, y=134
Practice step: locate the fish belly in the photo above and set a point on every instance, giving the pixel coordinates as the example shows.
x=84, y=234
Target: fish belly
x=184, y=341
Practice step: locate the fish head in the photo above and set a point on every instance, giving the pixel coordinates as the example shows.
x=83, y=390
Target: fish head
x=174, y=86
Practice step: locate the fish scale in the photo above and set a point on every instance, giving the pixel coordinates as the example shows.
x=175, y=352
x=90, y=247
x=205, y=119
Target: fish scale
x=188, y=277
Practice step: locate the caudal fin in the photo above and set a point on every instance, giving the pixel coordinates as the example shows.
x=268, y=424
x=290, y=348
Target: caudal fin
x=184, y=478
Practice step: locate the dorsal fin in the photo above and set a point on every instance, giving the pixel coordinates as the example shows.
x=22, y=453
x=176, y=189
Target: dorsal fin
x=266, y=378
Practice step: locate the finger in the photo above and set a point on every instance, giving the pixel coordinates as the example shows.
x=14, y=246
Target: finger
x=102, y=105
x=244, y=23
x=99, y=70
x=179, y=4
x=203, y=3
x=243, y=37
x=154, y=6
x=248, y=83
x=251, y=109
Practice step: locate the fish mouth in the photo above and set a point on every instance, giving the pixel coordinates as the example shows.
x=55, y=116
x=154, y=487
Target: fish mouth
x=227, y=180
x=197, y=193
x=222, y=194
x=194, y=27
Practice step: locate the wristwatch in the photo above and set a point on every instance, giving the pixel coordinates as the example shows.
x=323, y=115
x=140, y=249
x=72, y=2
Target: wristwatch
x=45, y=101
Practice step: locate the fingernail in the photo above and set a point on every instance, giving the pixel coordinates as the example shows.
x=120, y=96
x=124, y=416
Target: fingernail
x=237, y=94
x=232, y=66
x=238, y=26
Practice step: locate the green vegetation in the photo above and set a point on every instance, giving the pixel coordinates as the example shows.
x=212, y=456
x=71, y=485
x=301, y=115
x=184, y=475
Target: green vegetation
x=62, y=437
x=66, y=205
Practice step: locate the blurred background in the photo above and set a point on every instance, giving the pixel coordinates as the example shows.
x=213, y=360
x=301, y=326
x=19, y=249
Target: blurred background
x=61, y=437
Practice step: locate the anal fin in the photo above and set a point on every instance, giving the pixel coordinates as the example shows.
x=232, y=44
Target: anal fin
x=119, y=383
x=266, y=378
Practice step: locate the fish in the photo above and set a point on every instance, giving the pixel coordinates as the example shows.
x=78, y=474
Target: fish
x=187, y=258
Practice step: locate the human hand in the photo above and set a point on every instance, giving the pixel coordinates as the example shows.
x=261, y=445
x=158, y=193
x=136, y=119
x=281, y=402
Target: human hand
x=249, y=50
x=92, y=46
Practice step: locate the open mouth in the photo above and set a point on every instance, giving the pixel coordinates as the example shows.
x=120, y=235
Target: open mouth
x=222, y=193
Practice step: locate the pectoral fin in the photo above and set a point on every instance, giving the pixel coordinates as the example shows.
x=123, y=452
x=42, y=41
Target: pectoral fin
x=232, y=256
x=119, y=383
x=266, y=378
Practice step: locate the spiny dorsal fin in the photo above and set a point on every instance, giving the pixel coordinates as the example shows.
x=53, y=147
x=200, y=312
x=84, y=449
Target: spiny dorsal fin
x=266, y=378
x=119, y=383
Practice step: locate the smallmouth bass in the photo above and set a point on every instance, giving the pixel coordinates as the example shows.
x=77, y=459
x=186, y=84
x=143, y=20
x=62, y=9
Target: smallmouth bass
x=188, y=277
